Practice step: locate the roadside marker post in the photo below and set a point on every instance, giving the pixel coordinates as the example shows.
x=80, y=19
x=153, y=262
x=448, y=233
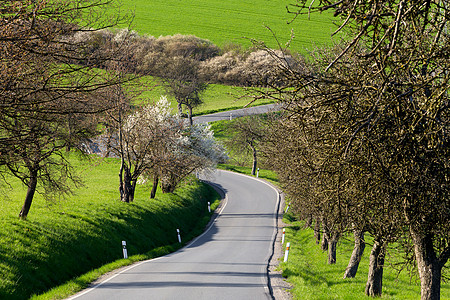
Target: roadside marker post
x=179, y=236
x=257, y=173
x=287, y=208
x=209, y=206
x=124, y=248
x=286, y=254
x=282, y=236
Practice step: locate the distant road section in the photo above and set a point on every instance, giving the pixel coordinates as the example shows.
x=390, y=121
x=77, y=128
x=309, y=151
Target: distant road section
x=229, y=261
x=231, y=114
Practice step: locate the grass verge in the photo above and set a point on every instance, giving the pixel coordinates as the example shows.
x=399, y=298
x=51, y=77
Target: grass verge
x=63, y=239
x=312, y=278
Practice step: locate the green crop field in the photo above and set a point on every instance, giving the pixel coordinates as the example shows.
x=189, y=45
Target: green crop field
x=231, y=21
x=62, y=239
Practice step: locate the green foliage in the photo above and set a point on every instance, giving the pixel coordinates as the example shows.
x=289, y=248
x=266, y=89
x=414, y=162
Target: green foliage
x=233, y=21
x=66, y=238
x=313, y=278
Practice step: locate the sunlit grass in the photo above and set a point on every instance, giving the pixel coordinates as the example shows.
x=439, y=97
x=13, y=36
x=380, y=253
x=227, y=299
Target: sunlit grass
x=313, y=278
x=67, y=238
x=232, y=21
x=216, y=98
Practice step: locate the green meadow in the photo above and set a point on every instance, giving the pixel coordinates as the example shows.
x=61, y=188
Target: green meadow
x=216, y=97
x=231, y=21
x=314, y=279
x=65, y=238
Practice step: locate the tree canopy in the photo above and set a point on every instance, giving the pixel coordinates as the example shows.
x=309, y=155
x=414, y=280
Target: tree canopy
x=51, y=91
x=365, y=139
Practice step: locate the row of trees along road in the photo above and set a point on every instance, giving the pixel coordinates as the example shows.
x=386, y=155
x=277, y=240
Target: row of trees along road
x=363, y=144
x=58, y=91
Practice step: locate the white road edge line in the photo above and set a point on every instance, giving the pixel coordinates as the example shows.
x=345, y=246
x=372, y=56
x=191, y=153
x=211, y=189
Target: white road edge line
x=265, y=281
x=274, y=235
x=153, y=259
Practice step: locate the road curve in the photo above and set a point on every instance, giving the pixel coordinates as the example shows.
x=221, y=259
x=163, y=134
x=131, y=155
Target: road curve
x=237, y=113
x=229, y=261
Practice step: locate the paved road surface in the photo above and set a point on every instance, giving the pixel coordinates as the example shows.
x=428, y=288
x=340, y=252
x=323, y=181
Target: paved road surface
x=225, y=115
x=229, y=261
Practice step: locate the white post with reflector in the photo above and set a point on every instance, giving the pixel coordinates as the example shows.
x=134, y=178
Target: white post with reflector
x=286, y=254
x=209, y=206
x=179, y=236
x=287, y=208
x=124, y=248
x=282, y=236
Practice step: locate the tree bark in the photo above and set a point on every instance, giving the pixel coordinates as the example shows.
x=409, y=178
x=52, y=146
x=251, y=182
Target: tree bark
x=180, y=108
x=374, y=283
x=154, y=187
x=191, y=122
x=126, y=190
x=317, y=231
x=325, y=236
x=255, y=160
x=167, y=188
x=358, y=251
x=332, y=243
x=430, y=267
x=308, y=222
x=133, y=188
x=32, y=183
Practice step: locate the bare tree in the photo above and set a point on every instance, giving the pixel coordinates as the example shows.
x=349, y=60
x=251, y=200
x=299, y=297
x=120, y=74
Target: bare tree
x=247, y=133
x=181, y=79
x=45, y=77
x=383, y=99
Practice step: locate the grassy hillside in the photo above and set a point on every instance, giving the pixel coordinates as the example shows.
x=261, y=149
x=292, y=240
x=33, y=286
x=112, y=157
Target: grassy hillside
x=216, y=97
x=230, y=21
x=66, y=238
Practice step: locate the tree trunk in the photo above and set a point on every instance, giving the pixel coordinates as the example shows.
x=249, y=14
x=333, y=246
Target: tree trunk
x=191, y=122
x=430, y=267
x=32, y=183
x=255, y=160
x=133, y=188
x=126, y=190
x=122, y=166
x=167, y=188
x=374, y=283
x=325, y=236
x=180, y=108
x=169, y=183
x=317, y=231
x=358, y=251
x=308, y=222
x=332, y=243
x=154, y=187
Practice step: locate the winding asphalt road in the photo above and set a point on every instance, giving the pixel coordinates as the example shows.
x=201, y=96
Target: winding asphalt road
x=229, y=261
x=237, y=113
